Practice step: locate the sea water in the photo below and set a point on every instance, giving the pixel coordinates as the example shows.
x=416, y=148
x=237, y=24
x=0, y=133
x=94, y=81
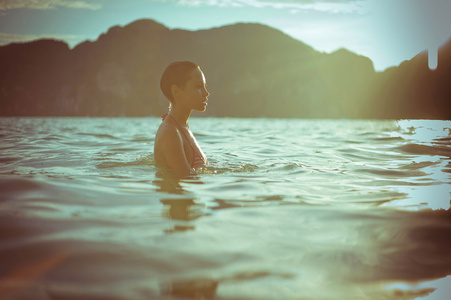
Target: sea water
x=286, y=209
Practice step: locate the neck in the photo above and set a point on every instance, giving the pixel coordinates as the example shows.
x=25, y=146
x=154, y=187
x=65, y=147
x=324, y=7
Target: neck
x=181, y=115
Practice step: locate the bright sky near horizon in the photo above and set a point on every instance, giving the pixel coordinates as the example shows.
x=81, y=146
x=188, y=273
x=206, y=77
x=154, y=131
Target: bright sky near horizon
x=386, y=31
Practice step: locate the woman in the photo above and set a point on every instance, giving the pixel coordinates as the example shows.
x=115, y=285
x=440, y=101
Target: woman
x=176, y=148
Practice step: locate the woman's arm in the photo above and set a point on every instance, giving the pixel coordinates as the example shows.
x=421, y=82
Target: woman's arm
x=172, y=149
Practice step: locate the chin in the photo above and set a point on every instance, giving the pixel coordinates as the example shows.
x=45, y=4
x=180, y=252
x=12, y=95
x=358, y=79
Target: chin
x=202, y=109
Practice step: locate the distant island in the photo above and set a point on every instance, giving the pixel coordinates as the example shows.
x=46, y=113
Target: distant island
x=252, y=70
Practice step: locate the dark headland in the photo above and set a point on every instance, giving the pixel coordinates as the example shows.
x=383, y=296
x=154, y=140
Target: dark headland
x=252, y=70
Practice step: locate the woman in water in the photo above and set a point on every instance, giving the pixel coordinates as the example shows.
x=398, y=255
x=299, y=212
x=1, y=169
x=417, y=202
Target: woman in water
x=176, y=148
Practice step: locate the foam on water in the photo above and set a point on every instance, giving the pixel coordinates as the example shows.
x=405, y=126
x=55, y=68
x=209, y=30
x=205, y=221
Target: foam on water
x=288, y=209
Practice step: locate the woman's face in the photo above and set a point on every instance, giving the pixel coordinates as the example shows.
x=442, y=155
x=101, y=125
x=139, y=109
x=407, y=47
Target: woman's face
x=194, y=94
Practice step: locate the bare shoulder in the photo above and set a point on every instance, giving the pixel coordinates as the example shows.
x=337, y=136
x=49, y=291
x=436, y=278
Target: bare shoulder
x=167, y=134
x=169, y=152
x=166, y=137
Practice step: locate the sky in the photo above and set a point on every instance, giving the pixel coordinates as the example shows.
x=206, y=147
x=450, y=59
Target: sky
x=386, y=31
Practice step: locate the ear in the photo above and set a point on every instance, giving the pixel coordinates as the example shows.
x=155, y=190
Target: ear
x=175, y=90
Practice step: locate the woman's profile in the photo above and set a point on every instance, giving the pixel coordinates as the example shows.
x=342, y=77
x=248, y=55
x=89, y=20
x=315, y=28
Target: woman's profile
x=176, y=148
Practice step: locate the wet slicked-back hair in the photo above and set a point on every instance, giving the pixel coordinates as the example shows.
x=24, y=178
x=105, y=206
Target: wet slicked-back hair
x=177, y=73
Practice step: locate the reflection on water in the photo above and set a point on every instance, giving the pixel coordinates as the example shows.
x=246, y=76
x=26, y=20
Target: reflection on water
x=168, y=184
x=182, y=209
x=429, y=290
x=191, y=289
x=27, y=275
x=288, y=209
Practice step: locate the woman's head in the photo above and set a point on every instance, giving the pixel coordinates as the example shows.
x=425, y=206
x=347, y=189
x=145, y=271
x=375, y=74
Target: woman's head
x=178, y=73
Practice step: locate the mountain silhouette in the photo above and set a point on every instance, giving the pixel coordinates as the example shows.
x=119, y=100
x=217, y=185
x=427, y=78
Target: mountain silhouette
x=252, y=70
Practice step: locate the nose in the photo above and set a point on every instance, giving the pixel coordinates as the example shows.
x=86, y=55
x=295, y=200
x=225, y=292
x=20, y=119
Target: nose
x=206, y=93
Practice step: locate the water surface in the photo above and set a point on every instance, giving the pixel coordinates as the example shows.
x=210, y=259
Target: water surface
x=288, y=209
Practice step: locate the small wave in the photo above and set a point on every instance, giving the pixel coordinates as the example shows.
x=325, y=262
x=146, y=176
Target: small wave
x=352, y=141
x=447, y=168
x=18, y=185
x=289, y=167
x=444, y=141
x=362, y=154
x=243, y=168
x=121, y=149
x=388, y=139
x=141, y=139
x=222, y=168
x=393, y=173
x=8, y=160
x=420, y=165
x=108, y=136
x=242, y=202
x=53, y=137
x=146, y=160
x=425, y=150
